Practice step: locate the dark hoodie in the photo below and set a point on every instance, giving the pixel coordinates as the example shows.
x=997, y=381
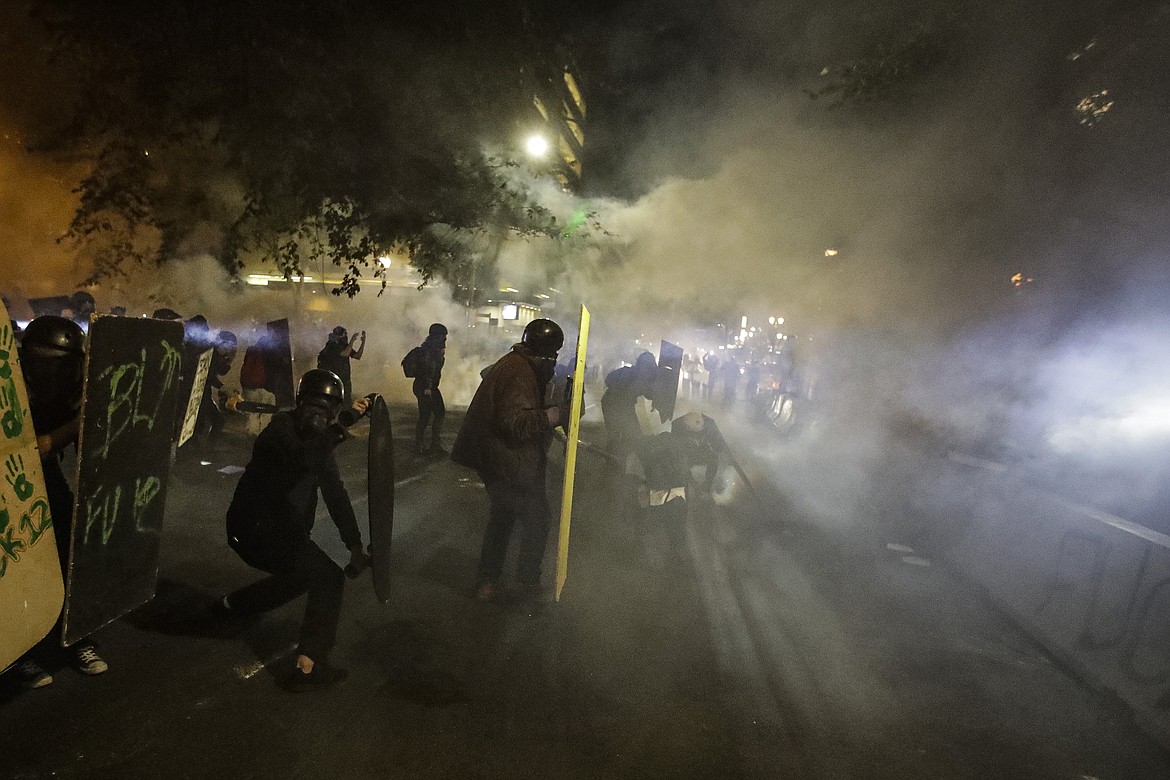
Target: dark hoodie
x=506, y=432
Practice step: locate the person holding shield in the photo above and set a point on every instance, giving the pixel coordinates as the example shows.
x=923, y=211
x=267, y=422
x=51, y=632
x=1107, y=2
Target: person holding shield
x=271, y=517
x=505, y=438
x=52, y=355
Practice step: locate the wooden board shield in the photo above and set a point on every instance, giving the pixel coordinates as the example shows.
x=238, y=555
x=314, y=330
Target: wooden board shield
x=31, y=589
x=198, y=364
x=573, y=434
x=127, y=422
x=670, y=357
x=380, y=485
x=278, y=363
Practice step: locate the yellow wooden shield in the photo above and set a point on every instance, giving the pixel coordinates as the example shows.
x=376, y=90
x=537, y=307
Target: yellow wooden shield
x=31, y=588
x=573, y=434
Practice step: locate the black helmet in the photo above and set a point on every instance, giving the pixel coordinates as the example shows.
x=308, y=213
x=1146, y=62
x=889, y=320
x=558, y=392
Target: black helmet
x=50, y=334
x=544, y=337
x=52, y=354
x=438, y=329
x=320, y=383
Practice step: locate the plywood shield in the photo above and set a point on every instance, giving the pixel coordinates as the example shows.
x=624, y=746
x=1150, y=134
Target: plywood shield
x=381, y=495
x=575, y=403
x=196, y=368
x=31, y=590
x=127, y=422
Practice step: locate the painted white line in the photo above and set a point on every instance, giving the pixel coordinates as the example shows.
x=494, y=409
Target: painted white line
x=1121, y=524
x=899, y=548
x=914, y=560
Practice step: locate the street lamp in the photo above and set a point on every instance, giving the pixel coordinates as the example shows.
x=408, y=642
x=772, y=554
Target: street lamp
x=536, y=146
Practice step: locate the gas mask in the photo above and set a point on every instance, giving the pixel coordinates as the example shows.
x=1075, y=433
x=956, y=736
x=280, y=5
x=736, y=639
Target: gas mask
x=54, y=380
x=545, y=369
x=315, y=416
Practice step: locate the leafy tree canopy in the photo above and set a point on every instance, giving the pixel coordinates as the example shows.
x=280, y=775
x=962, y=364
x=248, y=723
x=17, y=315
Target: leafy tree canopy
x=293, y=131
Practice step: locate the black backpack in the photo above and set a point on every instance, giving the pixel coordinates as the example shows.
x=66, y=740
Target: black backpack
x=412, y=364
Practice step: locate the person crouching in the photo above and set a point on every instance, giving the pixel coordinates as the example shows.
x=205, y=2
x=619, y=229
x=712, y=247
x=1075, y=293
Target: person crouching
x=271, y=517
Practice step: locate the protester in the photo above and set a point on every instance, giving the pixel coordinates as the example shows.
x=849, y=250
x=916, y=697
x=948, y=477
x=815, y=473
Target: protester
x=336, y=354
x=254, y=382
x=52, y=355
x=222, y=358
x=271, y=517
x=425, y=364
x=81, y=306
x=505, y=438
x=623, y=387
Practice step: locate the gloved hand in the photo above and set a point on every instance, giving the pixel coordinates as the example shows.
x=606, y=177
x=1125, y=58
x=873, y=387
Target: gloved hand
x=359, y=561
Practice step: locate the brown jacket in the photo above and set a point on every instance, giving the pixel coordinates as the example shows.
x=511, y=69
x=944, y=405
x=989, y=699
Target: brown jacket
x=506, y=432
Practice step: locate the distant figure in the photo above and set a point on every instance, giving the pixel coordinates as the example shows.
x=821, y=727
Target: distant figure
x=623, y=387
x=254, y=382
x=751, y=381
x=81, y=306
x=336, y=353
x=425, y=364
x=505, y=438
x=711, y=363
x=197, y=332
x=729, y=373
x=221, y=363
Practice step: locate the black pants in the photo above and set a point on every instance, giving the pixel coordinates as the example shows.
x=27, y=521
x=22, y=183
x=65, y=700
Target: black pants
x=622, y=429
x=509, y=503
x=429, y=406
x=312, y=571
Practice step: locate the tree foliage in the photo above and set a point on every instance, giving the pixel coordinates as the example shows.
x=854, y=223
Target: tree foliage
x=295, y=131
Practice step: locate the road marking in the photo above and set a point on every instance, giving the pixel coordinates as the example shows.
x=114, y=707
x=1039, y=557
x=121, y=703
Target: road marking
x=1121, y=524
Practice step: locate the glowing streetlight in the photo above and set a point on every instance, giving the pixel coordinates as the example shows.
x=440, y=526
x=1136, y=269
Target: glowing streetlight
x=536, y=146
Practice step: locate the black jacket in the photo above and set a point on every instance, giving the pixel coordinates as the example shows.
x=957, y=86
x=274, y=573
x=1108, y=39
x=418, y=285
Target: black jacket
x=430, y=361
x=272, y=511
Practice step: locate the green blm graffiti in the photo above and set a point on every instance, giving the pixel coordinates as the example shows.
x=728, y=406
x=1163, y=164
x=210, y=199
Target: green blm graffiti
x=134, y=404
x=20, y=497
x=126, y=409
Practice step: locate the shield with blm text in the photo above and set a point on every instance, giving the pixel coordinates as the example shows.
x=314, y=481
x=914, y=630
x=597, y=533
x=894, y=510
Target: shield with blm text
x=127, y=424
x=31, y=590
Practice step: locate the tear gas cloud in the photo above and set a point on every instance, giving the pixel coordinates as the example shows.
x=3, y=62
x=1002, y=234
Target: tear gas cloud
x=933, y=202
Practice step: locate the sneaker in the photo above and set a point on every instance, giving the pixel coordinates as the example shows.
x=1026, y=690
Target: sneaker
x=88, y=661
x=322, y=676
x=486, y=591
x=31, y=675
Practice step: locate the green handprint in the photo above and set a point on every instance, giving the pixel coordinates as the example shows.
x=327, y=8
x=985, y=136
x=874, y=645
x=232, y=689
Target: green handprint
x=16, y=476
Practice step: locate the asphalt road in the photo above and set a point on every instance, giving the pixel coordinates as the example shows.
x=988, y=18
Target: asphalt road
x=746, y=641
